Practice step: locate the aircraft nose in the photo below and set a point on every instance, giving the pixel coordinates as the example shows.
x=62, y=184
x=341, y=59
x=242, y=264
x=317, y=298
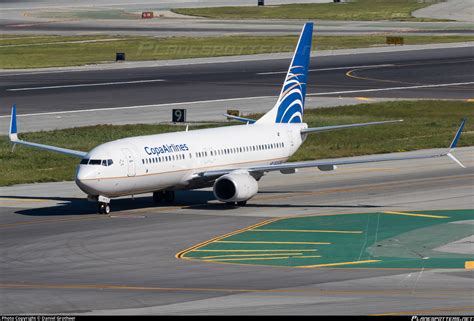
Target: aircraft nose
x=85, y=179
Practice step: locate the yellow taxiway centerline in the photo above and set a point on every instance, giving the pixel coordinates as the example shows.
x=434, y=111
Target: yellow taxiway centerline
x=265, y=258
x=340, y=263
x=247, y=255
x=282, y=250
x=265, y=242
x=251, y=259
x=417, y=215
x=307, y=231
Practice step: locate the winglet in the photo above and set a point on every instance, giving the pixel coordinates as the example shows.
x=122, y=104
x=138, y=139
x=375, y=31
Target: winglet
x=455, y=142
x=458, y=134
x=13, y=127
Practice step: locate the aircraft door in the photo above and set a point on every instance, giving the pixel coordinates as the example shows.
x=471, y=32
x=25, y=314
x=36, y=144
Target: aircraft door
x=130, y=160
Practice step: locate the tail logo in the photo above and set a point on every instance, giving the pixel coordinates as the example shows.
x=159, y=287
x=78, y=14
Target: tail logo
x=289, y=107
x=291, y=100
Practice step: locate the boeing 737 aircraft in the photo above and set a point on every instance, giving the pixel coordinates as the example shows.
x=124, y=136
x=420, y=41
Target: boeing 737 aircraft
x=231, y=159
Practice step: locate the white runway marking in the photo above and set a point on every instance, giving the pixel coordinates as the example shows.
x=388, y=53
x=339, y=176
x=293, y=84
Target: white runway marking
x=63, y=42
x=233, y=99
x=136, y=107
x=392, y=88
x=88, y=85
x=327, y=69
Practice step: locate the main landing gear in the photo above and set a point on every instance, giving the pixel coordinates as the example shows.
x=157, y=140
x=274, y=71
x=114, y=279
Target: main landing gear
x=163, y=196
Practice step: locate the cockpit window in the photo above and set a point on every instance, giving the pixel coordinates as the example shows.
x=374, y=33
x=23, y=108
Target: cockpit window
x=95, y=162
x=103, y=162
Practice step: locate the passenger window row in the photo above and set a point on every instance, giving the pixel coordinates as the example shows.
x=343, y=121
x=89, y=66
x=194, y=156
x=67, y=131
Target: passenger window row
x=244, y=149
x=219, y=152
x=163, y=159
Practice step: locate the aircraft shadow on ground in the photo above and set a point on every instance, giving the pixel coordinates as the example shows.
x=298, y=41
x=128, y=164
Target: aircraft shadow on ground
x=196, y=200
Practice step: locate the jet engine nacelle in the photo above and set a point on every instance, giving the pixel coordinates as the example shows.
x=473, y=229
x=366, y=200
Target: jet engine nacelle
x=235, y=187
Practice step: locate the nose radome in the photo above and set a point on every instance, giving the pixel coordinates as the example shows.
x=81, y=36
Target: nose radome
x=85, y=179
x=84, y=173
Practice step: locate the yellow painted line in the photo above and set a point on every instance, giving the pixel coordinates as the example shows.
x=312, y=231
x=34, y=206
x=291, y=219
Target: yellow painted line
x=469, y=265
x=304, y=291
x=417, y=215
x=307, y=257
x=341, y=263
x=282, y=250
x=307, y=231
x=181, y=255
x=264, y=242
x=81, y=218
x=265, y=258
x=253, y=259
x=246, y=255
x=364, y=98
x=95, y=217
x=117, y=287
x=367, y=187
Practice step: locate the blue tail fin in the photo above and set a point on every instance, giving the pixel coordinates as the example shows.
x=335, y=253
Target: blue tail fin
x=290, y=105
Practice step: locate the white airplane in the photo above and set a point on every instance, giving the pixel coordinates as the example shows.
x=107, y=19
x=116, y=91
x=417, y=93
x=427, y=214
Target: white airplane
x=231, y=159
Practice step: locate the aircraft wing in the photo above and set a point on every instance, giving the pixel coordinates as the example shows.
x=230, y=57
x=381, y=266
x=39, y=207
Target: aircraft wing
x=330, y=164
x=13, y=135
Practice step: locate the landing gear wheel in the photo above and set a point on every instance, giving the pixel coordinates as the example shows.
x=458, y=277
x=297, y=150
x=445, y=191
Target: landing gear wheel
x=169, y=196
x=104, y=208
x=242, y=203
x=230, y=204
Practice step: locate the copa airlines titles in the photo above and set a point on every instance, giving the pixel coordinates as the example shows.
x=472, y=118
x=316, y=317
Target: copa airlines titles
x=171, y=148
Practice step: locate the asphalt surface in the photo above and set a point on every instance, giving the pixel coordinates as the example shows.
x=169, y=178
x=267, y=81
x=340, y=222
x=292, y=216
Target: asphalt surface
x=460, y=10
x=167, y=27
x=31, y=17
x=58, y=256
x=436, y=73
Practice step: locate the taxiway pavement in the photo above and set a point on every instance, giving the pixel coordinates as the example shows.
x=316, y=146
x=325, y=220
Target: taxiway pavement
x=58, y=256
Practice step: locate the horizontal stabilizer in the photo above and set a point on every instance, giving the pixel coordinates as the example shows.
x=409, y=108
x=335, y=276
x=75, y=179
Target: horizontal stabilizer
x=241, y=119
x=336, y=127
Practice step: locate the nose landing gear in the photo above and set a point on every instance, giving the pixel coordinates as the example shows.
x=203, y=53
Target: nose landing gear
x=104, y=208
x=103, y=203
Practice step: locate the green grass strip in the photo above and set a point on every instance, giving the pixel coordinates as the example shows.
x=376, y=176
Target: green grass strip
x=59, y=51
x=399, y=10
x=428, y=124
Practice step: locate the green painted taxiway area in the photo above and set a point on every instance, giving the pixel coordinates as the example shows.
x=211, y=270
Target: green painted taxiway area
x=361, y=240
